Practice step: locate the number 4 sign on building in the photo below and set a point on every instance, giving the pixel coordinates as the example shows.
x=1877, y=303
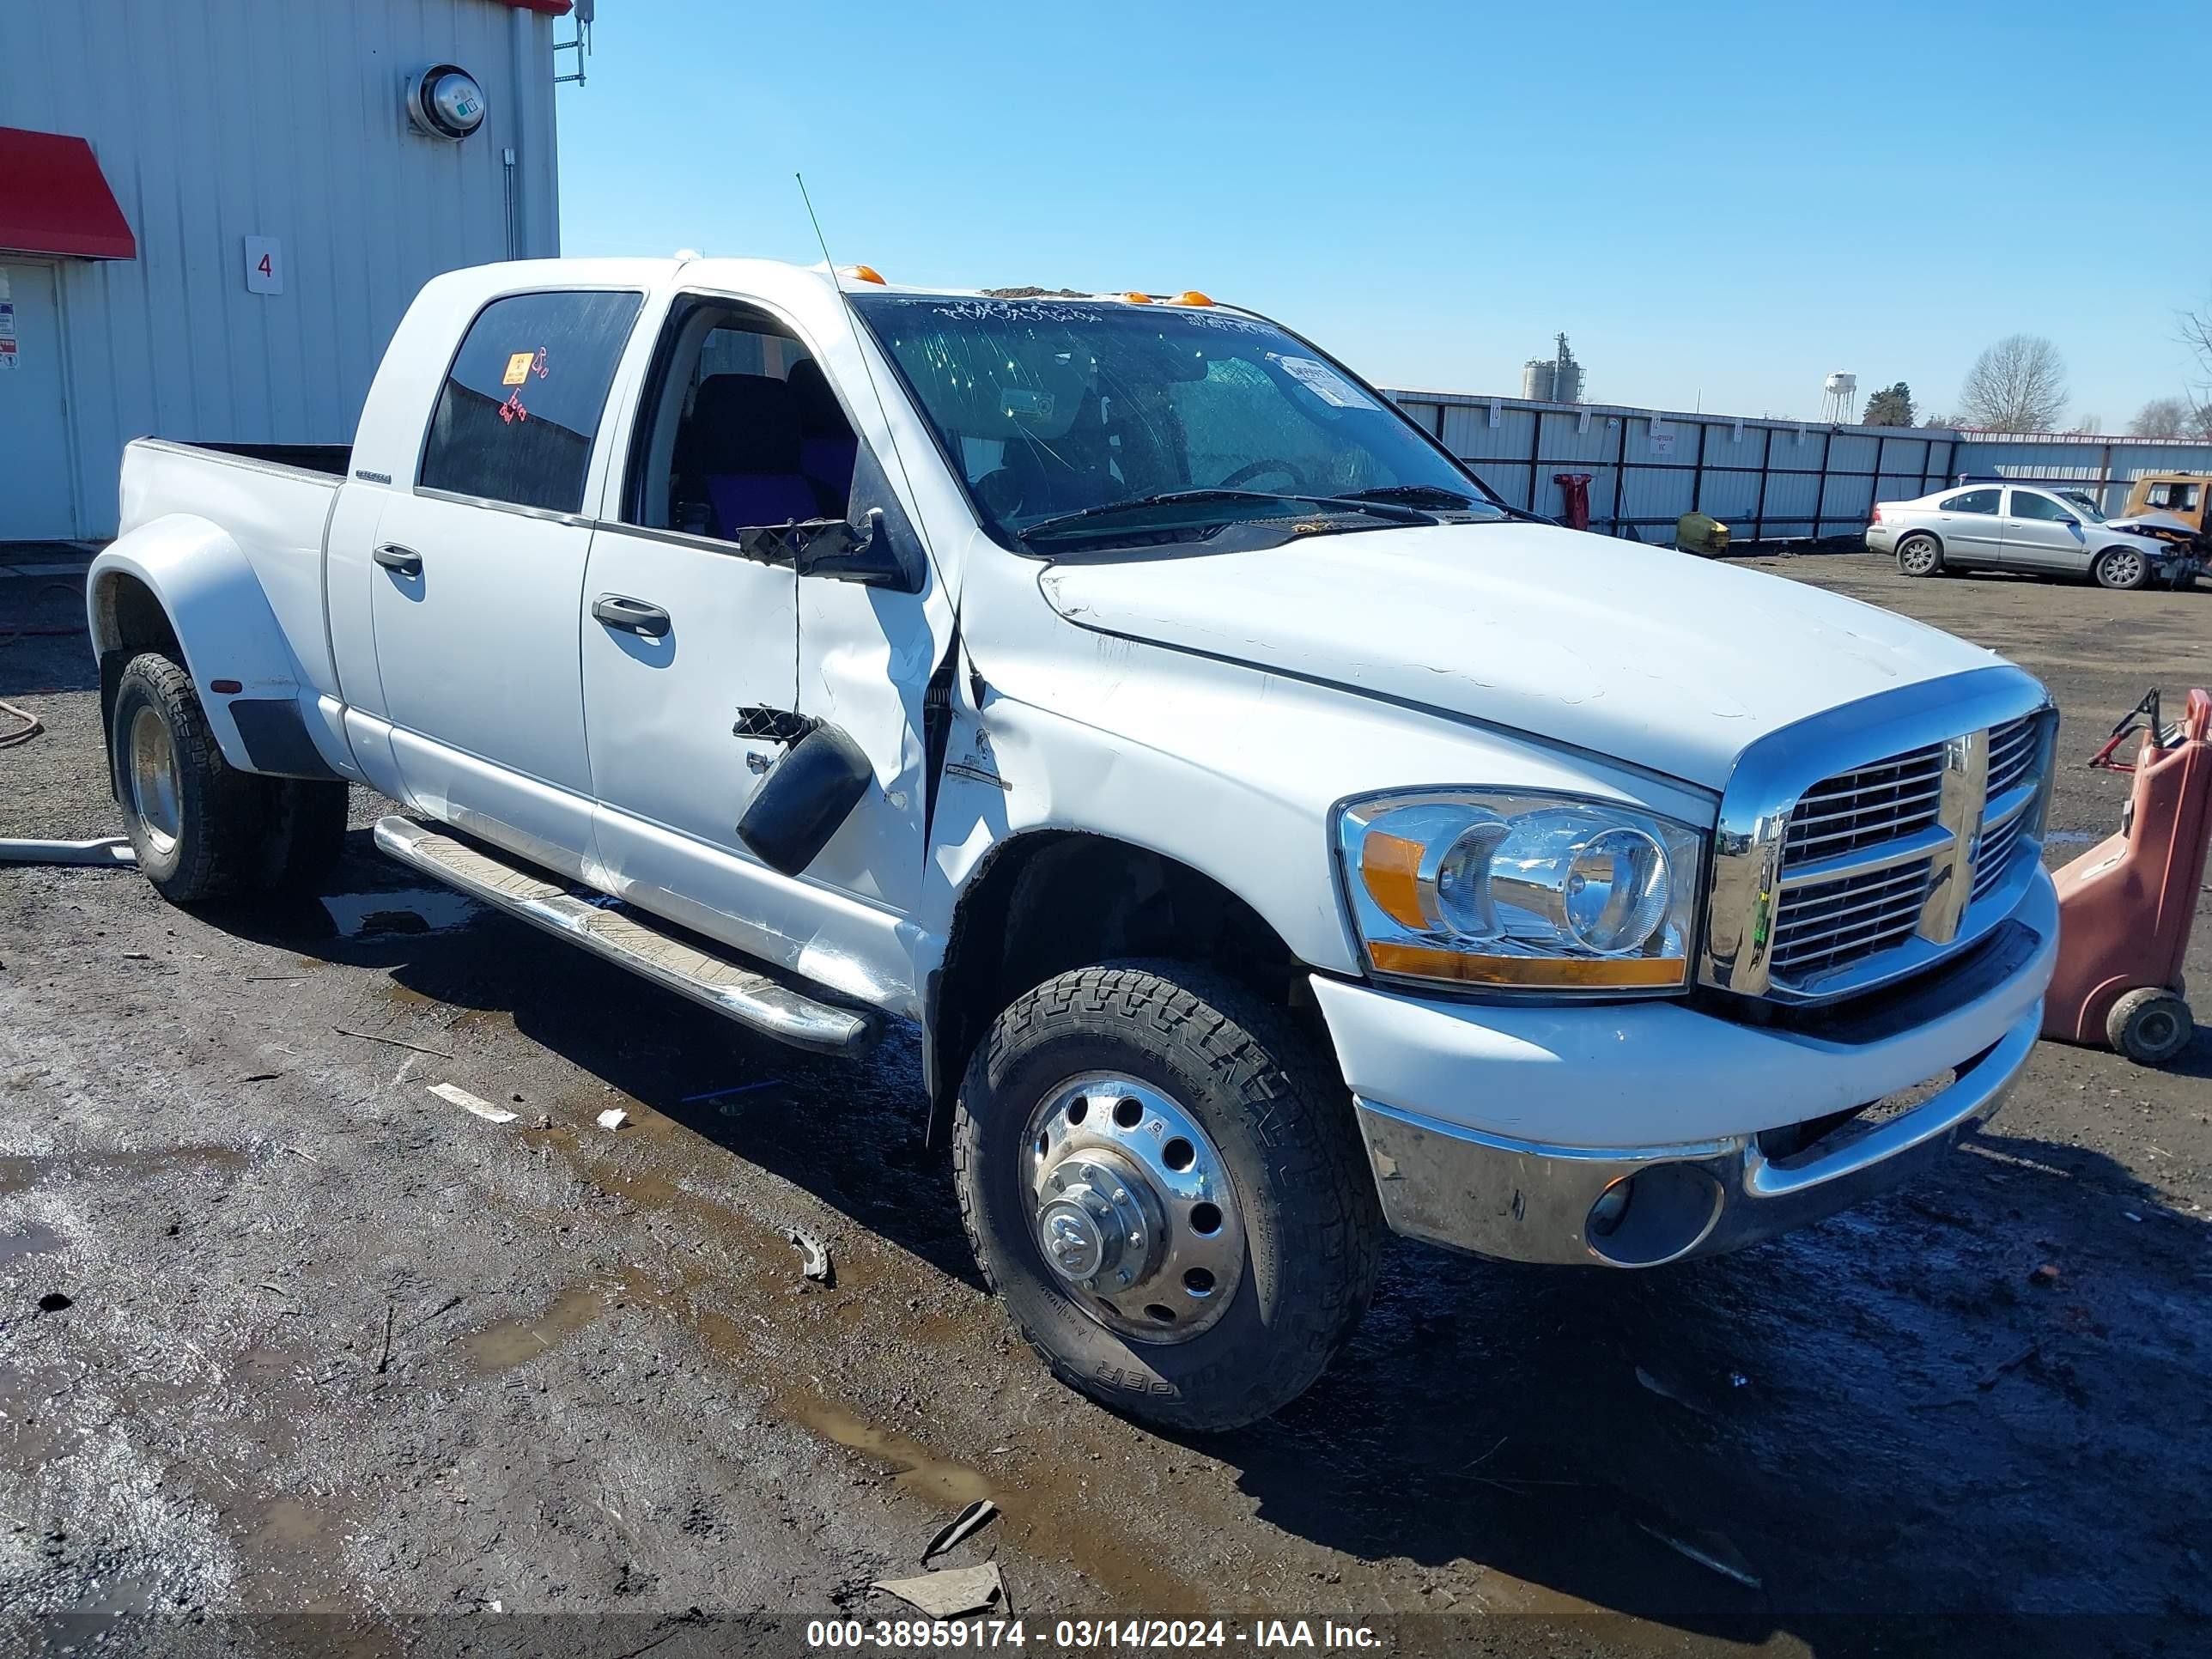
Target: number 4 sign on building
x=264, y=266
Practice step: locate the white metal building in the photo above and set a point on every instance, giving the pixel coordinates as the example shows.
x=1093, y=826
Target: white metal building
x=212, y=215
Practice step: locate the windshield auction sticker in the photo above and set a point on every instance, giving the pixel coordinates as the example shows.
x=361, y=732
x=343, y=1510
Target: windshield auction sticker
x=1324, y=382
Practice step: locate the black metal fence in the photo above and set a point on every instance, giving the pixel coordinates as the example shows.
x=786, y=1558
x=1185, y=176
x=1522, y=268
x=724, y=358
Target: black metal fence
x=1768, y=480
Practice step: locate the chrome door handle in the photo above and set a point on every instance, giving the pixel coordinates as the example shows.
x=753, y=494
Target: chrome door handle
x=631, y=615
x=404, y=560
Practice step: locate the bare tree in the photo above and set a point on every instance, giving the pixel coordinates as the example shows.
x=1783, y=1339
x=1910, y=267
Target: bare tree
x=2018, y=385
x=2161, y=417
x=2197, y=335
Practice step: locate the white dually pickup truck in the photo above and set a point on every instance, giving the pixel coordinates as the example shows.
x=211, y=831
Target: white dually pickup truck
x=1275, y=838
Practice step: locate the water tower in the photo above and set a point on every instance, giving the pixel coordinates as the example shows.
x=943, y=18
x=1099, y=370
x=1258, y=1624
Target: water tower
x=1840, y=398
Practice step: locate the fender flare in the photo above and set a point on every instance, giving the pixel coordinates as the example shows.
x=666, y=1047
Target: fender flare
x=225, y=629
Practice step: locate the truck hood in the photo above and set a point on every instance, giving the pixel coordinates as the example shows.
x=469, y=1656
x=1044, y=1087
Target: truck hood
x=1640, y=655
x=2153, y=523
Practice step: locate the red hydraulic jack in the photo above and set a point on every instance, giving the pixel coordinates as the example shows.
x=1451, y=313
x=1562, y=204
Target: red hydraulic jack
x=2125, y=906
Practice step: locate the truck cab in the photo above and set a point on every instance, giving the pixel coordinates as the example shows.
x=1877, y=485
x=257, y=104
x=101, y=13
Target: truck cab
x=1274, y=841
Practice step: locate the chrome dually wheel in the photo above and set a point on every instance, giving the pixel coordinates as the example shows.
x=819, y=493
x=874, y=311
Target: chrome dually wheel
x=1134, y=1208
x=156, y=793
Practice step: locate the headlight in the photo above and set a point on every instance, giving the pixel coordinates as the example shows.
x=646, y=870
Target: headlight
x=1522, y=891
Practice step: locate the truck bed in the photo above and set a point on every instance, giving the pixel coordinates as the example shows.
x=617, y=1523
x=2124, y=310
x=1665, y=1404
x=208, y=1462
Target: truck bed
x=328, y=459
x=272, y=500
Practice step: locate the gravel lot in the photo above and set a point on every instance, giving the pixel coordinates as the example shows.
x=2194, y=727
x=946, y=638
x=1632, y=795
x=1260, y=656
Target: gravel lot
x=345, y=1367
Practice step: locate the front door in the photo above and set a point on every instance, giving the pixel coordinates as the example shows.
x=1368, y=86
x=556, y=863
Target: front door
x=689, y=649
x=36, y=502
x=478, y=572
x=2040, y=534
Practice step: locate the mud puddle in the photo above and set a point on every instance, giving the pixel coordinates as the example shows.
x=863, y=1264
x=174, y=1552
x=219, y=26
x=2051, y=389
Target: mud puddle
x=514, y=1342
x=411, y=910
x=17, y=1173
x=33, y=1240
x=918, y=1469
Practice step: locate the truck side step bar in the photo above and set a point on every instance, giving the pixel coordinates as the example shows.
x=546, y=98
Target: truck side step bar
x=749, y=998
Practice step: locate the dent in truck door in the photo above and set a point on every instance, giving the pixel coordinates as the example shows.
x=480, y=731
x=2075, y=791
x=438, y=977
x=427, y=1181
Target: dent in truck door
x=478, y=571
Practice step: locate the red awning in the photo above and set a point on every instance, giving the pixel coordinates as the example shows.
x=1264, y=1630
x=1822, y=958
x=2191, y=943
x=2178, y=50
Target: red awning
x=53, y=199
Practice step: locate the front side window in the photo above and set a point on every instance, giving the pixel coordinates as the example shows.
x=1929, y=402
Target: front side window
x=745, y=431
x=1053, y=408
x=2027, y=505
x=521, y=403
x=1973, y=501
x=2174, y=497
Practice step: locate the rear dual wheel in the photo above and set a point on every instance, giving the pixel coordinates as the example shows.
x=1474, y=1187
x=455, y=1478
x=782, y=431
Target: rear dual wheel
x=1163, y=1181
x=202, y=829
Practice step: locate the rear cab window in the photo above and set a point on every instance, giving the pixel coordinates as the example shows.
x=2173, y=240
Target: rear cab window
x=521, y=404
x=1972, y=500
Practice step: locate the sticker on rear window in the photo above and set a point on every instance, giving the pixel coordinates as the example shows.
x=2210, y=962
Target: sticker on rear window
x=1324, y=382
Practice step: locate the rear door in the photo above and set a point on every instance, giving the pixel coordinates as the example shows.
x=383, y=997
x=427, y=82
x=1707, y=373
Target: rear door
x=477, y=588
x=2042, y=534
x=1970, y=526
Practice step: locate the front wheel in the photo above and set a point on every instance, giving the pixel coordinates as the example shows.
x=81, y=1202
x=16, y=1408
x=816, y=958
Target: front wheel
x=2121, y=568
x=1920, y=555
x=1164, y=1183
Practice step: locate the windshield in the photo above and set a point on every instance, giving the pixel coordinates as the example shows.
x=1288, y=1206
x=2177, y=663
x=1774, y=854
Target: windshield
x=1051, y=407
x=2084, y=503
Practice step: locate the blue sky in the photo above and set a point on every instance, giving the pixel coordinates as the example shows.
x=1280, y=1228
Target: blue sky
x=1719, y=203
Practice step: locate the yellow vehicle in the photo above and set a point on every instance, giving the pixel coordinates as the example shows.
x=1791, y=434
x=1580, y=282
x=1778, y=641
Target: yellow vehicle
x=2171, y=506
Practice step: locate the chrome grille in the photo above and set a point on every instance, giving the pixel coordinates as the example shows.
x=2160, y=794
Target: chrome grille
x=1854, y=811
x=2012, y=754
x=1845, y=851
x=1993, y=854
x=1830, y=923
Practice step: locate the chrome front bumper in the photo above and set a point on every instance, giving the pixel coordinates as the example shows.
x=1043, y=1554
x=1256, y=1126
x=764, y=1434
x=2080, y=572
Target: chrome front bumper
x=1525, y=1201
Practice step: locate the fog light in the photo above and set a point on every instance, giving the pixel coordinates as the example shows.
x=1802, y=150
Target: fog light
x=1612, y=1203
x=1658, y=1213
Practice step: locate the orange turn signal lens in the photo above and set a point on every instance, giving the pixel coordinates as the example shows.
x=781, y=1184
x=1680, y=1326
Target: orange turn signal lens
x=1391, y=866
x=865, y=274
x=1190, y=296
x=1574, y=972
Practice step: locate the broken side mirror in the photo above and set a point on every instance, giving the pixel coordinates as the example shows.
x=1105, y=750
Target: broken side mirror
x=842, y=551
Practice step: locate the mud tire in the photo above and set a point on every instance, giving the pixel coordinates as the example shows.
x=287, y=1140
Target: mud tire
x=220, y=813
x=1277, y=1111
x=305, y=835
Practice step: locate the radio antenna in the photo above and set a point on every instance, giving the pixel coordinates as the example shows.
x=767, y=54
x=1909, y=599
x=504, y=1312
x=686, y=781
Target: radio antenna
x=860, y=345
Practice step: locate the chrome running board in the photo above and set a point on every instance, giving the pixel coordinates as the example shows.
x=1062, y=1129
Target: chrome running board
x=751, y=999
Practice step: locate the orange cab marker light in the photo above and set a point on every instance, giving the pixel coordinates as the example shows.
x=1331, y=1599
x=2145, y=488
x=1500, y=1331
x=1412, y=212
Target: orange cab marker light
x=865, y=274
x=1137, y=298
x=1390, y=866
x=1599, y=973
x=1190, y=296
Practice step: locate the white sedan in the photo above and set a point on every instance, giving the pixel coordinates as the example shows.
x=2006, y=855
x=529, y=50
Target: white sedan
x=2010, y=526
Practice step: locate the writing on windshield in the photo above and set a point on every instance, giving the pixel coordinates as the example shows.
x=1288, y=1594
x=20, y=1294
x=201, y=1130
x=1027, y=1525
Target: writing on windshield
x=1052, y=408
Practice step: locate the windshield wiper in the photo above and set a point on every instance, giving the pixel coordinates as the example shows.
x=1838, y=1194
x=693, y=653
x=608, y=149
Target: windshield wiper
x=1178, y=497
x=1413, y=495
